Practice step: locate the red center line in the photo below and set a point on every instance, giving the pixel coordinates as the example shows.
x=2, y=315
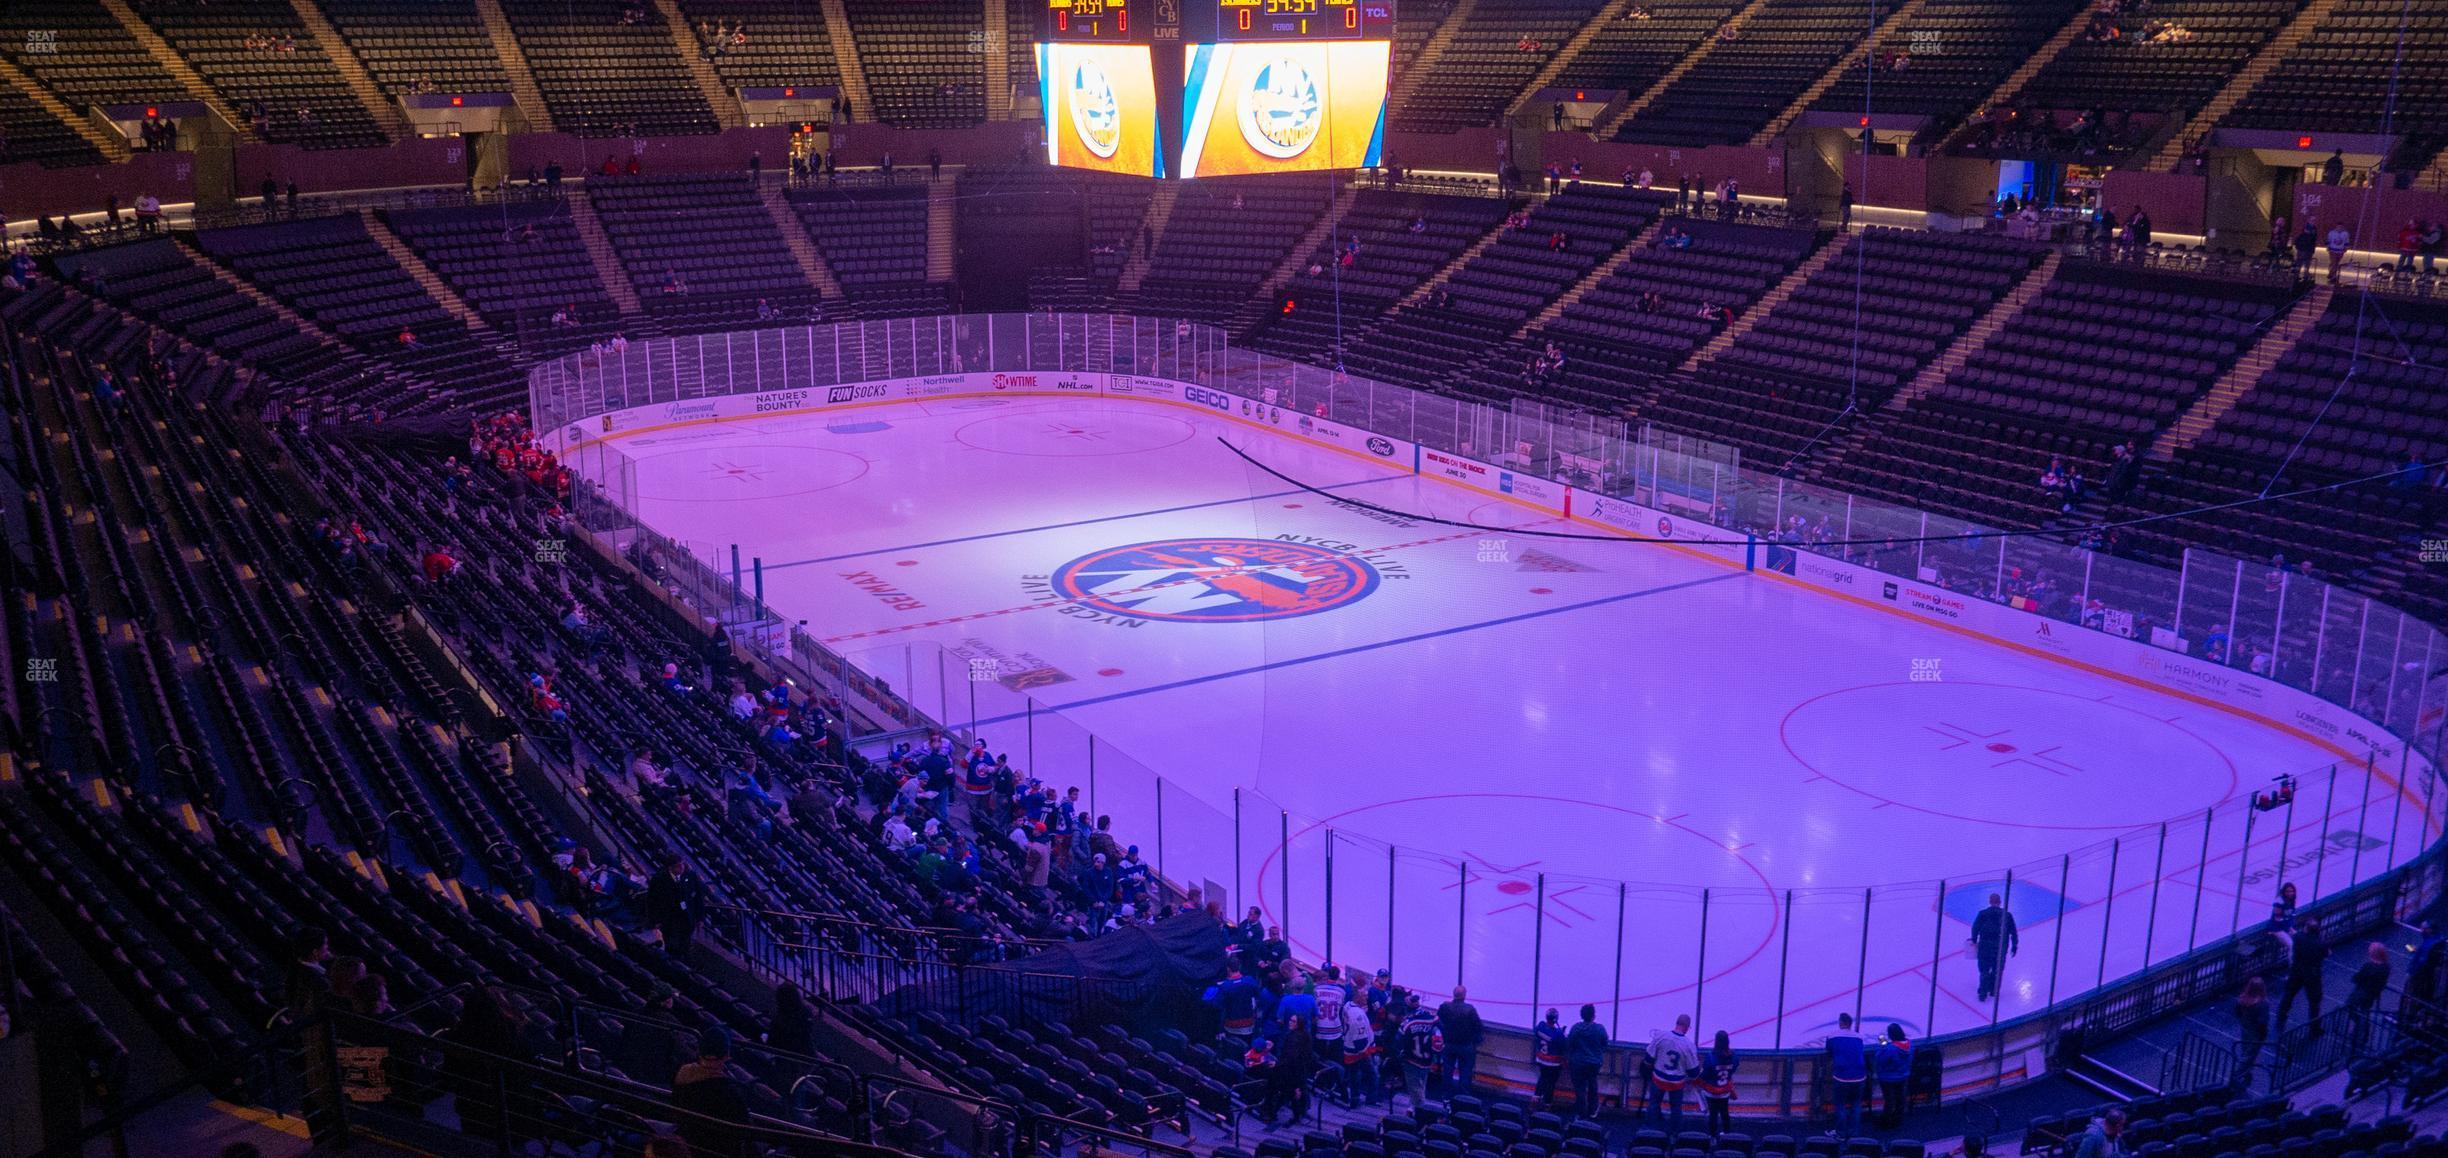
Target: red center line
x=976, y=615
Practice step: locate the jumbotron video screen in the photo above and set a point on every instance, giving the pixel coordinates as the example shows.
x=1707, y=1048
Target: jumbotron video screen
x=1160, y=88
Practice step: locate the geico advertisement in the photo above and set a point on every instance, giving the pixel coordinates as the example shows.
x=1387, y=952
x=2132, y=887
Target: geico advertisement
x=1100, y=107
x=1273, y=108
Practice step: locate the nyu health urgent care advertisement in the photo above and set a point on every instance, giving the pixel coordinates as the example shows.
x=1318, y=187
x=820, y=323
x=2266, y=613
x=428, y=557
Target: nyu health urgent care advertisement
x=1284, y=107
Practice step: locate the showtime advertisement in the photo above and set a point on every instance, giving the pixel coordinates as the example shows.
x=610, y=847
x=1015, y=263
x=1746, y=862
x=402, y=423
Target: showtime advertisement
x=1100, y=108
x=1279, y=108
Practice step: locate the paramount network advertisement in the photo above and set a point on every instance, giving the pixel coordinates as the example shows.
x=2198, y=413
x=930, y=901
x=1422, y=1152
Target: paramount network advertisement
x=1100, y=107
x=1277, y=108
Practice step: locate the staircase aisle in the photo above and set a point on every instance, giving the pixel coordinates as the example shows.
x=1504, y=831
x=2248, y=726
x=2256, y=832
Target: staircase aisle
x=718, y=96
x=2251, y=367
x=523, y=90
x=1768, y=303
x=385, y=111
x=608, y=268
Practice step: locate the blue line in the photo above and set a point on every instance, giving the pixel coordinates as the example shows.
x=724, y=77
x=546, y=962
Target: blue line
x=1338, y=654
x=770, y=567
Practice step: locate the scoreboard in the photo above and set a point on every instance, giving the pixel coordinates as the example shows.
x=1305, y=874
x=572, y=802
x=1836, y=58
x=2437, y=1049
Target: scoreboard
x=1092, y=20
x=1242, y=20
x=1216, y=21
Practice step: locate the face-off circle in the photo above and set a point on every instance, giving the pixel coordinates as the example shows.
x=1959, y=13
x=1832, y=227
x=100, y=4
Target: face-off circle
x=2017, y=757
x=1215, y=580
x=725, y=472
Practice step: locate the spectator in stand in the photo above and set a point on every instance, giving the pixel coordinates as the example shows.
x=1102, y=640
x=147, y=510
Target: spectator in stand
x=1235, y=999
x=440, y=566
x=372, y=997
x=1892, y=1066
x=1361, y=1082
x=1585, y=1050
x=2252, y=1016
x=2304, y=965
x=2333, y=170
x=1421, y=1046
x=1848, y=1069
x=308, y=981
x=793, y=1028
x=1295, y=1064
x=1547, y=1054
x=675, y=903
x=493, y=1028
x=1327, y=993
x=2363, y=993
x=1672, y=1059
x=1463, y=1031
x=2306, y=243
x=647, y=775
x=2429, y=241
x=706, y=1091
x=2105, y=1137
x=2339, y=242
x=1716, y=1082
x=346, y=974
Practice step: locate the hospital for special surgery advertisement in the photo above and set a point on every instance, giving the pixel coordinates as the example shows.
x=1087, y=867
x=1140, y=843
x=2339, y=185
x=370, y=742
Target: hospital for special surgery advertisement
x=1100, y=108
x=1277, y=108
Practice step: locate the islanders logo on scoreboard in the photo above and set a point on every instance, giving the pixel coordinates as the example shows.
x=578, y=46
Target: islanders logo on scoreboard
x=1282, y=109
x=1216, y=580
x=1096, y=113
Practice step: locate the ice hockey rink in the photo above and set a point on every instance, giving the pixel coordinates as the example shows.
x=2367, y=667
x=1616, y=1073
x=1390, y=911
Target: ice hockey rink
x=1559, y=770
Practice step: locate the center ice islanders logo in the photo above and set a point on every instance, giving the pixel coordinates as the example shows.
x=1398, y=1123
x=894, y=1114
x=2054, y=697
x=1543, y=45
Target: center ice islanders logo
x=1095, y=112
x=1215, y=580
x=1282, y=110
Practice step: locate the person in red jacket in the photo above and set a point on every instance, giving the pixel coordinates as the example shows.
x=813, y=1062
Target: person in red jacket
x=2409, y=243
x=440, y=565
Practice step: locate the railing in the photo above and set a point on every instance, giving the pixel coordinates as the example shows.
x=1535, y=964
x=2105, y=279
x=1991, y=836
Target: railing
x=2197, y=1062
x=2139, y=911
